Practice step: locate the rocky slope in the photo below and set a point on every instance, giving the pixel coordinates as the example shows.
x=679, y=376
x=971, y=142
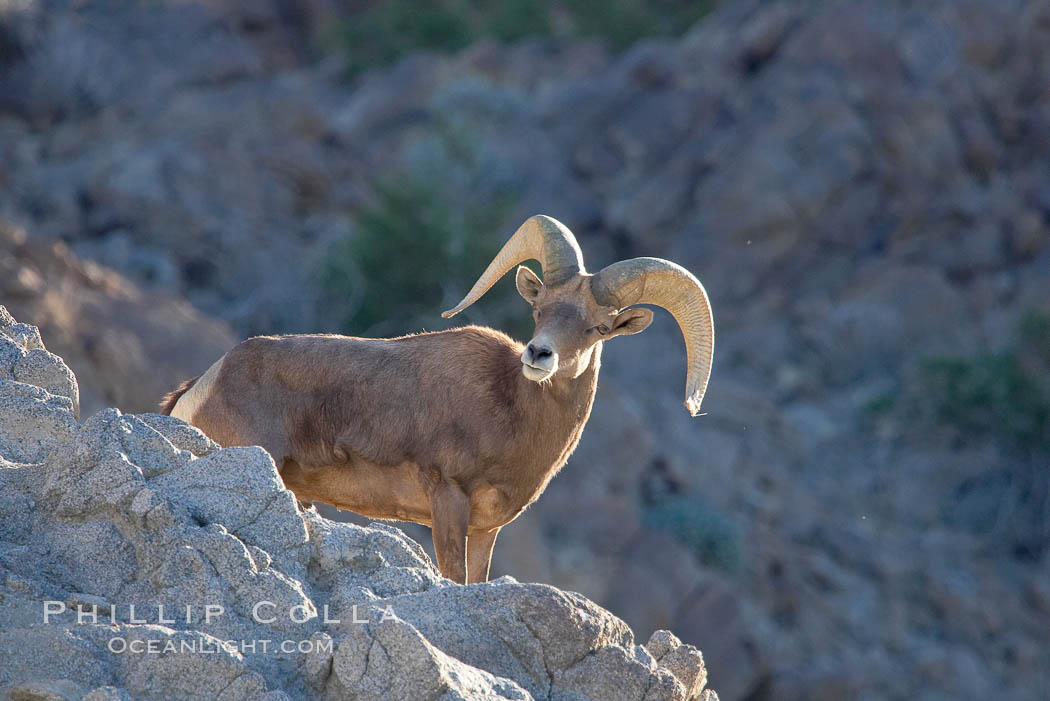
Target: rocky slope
x=130, y=345
x=238, y=594
x=861, y=185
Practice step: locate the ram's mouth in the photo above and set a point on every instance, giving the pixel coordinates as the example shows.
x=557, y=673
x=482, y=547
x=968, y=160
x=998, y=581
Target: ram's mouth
x=534, y=373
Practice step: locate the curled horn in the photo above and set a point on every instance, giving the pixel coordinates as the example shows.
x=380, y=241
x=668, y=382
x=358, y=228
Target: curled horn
x=668, y=285
x=542, y=238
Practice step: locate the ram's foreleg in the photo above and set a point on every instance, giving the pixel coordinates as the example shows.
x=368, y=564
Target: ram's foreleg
x=479, y=554
x=450, y=514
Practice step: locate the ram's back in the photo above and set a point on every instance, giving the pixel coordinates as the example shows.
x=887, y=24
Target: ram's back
x=324, y=399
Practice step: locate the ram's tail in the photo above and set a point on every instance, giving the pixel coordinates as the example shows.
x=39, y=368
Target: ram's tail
x=172, y=398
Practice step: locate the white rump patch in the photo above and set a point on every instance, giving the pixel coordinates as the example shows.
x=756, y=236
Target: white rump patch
x=188, y=404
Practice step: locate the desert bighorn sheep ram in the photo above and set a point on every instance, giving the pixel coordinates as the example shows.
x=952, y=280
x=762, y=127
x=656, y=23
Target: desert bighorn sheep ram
x=461, y=429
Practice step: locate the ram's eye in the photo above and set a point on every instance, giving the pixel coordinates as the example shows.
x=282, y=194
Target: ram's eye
x=603, y=329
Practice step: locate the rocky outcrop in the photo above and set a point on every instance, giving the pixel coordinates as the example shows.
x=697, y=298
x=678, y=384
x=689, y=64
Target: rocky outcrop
x=140, y=560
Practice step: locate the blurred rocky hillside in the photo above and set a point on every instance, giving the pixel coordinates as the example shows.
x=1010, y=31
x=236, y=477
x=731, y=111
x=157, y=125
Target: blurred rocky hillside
x=864, y=512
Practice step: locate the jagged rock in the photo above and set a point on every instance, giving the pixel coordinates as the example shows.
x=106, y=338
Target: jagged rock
x=23, y=358
x=684, y=661
x=38, y=394
x=181, y=434
x=108, y=693
x=39, y=367
x=56, y=690
x=391, y=659
x=34, y=421
x=220, y=564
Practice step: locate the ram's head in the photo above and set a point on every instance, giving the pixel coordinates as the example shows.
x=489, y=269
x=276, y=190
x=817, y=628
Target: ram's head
x=574, y=310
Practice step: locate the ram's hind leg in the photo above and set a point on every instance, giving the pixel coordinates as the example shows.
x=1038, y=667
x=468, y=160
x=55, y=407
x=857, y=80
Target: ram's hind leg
x=450, y=515
x=293, y=477
x=479, y=555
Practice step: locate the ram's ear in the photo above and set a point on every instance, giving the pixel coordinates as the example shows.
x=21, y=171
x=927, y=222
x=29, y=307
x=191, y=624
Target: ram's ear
x=631, y=321
x=528, y=283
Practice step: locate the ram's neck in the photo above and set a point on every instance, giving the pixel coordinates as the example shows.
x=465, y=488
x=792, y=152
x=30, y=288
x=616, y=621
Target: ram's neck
x=578, y=401
x=577, y=393
x=566, y=405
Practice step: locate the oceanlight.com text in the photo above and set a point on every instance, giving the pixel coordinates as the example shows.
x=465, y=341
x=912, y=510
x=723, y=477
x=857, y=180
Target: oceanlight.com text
x=207, y=646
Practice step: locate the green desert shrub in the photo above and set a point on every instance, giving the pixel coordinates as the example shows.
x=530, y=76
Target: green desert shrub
x=709, y=533
x=412, y=255
x=388, y=29
x=421, y=243
x=379, y=32
x=620, y=24
x=1003, y=395
x=1003, y=398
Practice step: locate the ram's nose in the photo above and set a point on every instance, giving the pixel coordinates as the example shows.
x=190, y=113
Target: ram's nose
x=537, y=355
x=539, y=361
